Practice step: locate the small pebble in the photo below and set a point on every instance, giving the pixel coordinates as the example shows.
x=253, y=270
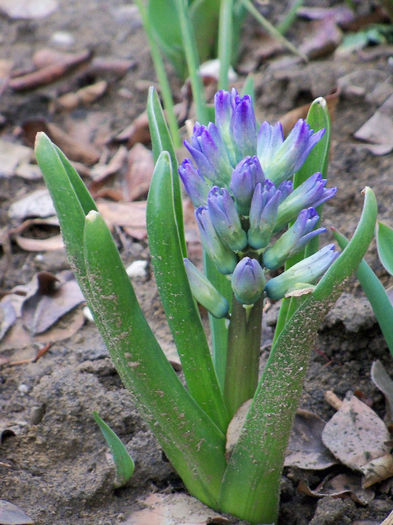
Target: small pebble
x=137, y=270
x=62, y=39
x=23, y=389
x=87, y=314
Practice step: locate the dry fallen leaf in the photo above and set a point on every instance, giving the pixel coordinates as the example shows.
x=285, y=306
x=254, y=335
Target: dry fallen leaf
x=140, y=172
x=323, y=38
x=306, y=449
x=137, y=131
x=130, y=215
x=10, y=514
x=342, y=15
x=72, y=146
x=36, y=204
x=173, y=509
x=86, y=95
x=339, y=486
x=377, y=132
x=356, y=435
x=11, y=156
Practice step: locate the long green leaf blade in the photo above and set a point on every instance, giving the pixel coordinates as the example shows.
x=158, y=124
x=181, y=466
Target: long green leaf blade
x=70, y=197
x=161, y=141
x=192, y=442
x=179, y=305
x=123, y=461
x=385, y=246
x=376, y=294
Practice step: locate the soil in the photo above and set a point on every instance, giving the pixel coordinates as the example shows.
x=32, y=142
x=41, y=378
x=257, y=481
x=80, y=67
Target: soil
x=54, y=463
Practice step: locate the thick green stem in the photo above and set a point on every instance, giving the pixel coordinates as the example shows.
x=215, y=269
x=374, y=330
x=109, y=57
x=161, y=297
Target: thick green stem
x=244, y=340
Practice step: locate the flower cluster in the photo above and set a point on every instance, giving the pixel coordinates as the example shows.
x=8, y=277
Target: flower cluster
x=239, y=180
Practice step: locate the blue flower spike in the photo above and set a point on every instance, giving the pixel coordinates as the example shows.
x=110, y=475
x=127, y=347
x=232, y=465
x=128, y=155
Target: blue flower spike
x=204, y=292
x=303, y=274
x=281, y=159
x=222, y=256
x=225, y=219
x=248, y=281
x=293, y=240
x=247, y=174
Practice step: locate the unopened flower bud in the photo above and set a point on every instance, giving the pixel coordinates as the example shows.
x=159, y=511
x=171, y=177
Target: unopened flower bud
x=311, y=193
x=196, y=186
x=244, y=127
x=280, y=158
x=293, y=240
x=247, y=174
x=303, y=273
x=248, y=281
x=222, y=256
x=225, y=219
x=204, y=292
x=263, y=213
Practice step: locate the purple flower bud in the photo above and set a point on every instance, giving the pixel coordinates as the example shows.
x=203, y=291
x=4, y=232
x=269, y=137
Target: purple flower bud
x=263, y=213
x=293, y=240
x=280, y=158
x=247, y=174
x=204, y=292
x=311, y=193
x=209, y=154
x=302, y=274
x=225, y=219
x=224, y=258
x=196, y=186
x=248, y=281
x=244, y=127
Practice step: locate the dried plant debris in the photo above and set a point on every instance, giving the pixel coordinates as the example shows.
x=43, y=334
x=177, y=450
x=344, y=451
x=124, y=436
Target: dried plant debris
x=140, y=172
x=12, y=156
x=339, y=485
x=174, y=509
x=324, y=37
x=377, y=132
x=36, y=204
x=306, y=449
x=342, y=15
x=33, y=244
x=10, y=514
x=357, y=437
x=31, y=310
x=131, y=216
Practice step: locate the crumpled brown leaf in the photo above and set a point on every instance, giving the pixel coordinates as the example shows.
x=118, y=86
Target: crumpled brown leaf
x=357, y=436
x=377, y=132
x=323, y=38
x=339, y=486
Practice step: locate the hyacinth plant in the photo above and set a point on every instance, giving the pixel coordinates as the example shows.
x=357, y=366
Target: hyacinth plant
x=257, y=201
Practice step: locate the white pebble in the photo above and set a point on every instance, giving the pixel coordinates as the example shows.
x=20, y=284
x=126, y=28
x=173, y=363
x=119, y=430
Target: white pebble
x=62, y=39
x=23, y=389
x=137, y=269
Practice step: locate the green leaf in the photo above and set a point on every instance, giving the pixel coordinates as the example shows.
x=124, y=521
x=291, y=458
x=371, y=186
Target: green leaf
x=179, y=305
x=70, y=197
x=350, y=259
x=123, y=461
x=384, y=236
x=165, y=23
x=204, y=15
x=376, y=294
x=190, y=439
x=161, y=141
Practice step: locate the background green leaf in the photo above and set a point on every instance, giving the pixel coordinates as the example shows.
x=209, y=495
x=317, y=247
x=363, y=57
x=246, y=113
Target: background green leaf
x=123, y=461
x=385, y=246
